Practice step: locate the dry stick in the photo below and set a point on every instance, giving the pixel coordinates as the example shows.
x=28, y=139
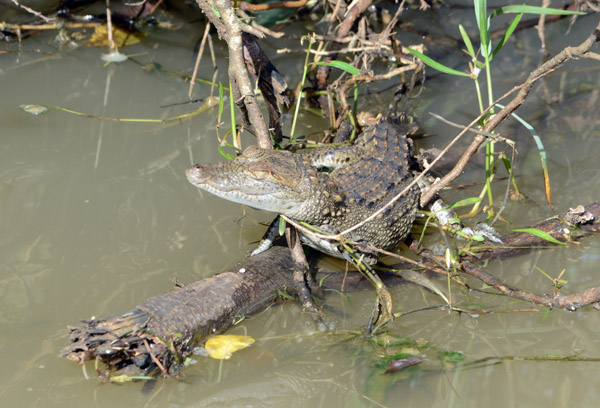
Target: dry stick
x=156, y=360
x=111, y=43
x=32, y=11
x=322, y=72
x=230, y=29
x=262, y=7
x=359, y=7
x=568, y=302
x=50, y=26
x=372, y=78
x=154, y=7
x=367, y=49
x=548, y=66
x=378, y=45
x=540, y=27
x=198, y=58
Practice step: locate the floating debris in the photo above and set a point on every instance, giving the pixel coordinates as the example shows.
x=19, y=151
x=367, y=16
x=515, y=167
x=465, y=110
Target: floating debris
x=34, y=109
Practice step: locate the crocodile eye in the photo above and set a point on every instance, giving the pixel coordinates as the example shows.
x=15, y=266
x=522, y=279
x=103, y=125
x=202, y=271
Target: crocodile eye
x=260, y=171
x=253, y=152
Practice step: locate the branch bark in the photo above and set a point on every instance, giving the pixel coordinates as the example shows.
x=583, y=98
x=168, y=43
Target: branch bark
x=245, y=59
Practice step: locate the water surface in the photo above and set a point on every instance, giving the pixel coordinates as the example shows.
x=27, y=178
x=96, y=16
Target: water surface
x=96, y=216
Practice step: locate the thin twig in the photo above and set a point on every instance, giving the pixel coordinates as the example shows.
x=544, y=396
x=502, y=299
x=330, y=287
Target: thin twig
x=568, y=302
x=50, y=26
x=270, y=6
x=32, y=11
x=540, y=27
x=198, y=59
x=156, y=360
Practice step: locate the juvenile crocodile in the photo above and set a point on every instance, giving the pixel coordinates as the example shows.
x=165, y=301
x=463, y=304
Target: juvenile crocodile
x=331, y=188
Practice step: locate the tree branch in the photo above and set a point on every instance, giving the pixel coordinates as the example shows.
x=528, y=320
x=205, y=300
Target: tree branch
x=549, y=66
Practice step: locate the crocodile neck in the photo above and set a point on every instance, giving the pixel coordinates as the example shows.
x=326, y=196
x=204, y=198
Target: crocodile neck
x=361, y=179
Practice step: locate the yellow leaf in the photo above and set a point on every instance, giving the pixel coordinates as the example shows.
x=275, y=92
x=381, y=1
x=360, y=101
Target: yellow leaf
x=120, y=37
x=224, y=345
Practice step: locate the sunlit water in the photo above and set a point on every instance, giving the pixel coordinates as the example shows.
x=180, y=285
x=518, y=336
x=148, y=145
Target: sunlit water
x=96, y=216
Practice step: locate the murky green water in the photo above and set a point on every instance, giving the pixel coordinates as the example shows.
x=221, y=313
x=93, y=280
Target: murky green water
x=96, y=216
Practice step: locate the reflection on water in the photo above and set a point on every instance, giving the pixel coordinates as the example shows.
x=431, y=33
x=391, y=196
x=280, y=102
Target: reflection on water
x=96, y=216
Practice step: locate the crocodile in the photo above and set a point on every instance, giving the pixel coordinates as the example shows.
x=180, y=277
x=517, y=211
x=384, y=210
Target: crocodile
x=332, y=188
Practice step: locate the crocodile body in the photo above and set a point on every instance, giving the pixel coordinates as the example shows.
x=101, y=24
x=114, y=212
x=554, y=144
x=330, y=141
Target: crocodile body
x=332, y=188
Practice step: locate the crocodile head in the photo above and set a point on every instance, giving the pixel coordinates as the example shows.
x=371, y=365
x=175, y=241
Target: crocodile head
x=277, y=181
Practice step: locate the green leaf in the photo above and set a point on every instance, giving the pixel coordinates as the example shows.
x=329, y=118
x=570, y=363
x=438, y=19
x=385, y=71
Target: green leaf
x=467, y=41
x=436, y=65
x=281, y=226
x=541, y=234
x=532, y=10
x=544, y=273
x=465, y=202
x=221, y=102
x=484, y=26
x=225, y=154
x=344, y=66
x=542, y=152
x=507, y=34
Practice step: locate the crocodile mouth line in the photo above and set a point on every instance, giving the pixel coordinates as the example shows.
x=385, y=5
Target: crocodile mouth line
x=232, y=194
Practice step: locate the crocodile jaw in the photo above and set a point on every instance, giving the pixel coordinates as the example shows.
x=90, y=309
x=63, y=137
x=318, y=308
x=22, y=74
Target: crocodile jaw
x=258, y=178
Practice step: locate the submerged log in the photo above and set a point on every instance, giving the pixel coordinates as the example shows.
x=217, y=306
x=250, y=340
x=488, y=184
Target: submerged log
x=177, y=320
x=160, y=332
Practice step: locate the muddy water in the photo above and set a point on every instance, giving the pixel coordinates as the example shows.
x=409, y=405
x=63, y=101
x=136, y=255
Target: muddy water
x=96, y=216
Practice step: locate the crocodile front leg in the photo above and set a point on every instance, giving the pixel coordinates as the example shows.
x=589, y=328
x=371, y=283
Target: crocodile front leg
x=269, y=237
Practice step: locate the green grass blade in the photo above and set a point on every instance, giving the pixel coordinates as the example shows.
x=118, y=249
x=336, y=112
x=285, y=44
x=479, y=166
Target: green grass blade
x=484, y=27
x=224, y=153
x=355, y=104
x=544, y=273
x=542, y=151
x=281, y=226
x=541, y=234
x=508, y=167
x=300, y=93
x=467, y=41
x=344, y=66
x=532, y=10
x=436, y=65
x=221, y=103
x=208, y=104
x=465, y=202
x=507, y=34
